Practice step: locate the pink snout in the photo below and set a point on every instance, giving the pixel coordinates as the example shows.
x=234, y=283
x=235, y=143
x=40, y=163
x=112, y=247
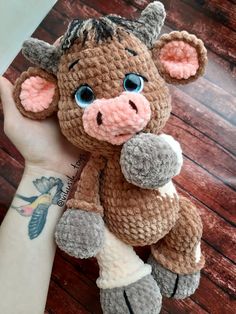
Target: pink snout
x=116, y=120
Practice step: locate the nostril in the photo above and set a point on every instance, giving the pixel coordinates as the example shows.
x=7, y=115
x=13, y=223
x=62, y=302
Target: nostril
x=132, y=104
x=99, y=118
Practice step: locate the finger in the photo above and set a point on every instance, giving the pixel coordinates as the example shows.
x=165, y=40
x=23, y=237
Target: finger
x=8, y=104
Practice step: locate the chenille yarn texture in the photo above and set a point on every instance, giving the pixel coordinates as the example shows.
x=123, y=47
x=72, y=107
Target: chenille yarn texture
x=125, y=196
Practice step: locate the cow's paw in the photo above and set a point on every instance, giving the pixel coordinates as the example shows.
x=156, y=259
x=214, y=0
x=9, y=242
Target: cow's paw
x=149, y=161
x=140, y=297
x=80, y=233
x=173, y=285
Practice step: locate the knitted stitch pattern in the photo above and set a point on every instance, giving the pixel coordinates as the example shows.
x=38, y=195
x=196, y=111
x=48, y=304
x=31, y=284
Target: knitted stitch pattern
x=136, y=216
x=176, y=251
x=186, y=38
x=103, y=67
x=115, y=201
x=36, y=72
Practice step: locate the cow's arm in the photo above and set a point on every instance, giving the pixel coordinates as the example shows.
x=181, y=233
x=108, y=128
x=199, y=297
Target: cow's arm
x=80, y=231
x=150, y=161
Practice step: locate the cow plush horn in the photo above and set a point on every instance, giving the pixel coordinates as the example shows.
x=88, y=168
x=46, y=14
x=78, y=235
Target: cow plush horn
x=42, y=54
x=152, y=19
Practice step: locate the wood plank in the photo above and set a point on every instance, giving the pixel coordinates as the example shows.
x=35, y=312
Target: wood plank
x=3, y=211
x=167, y=306
x=88, y=267
x=227, y=71
x=164, y=311
x=217, y=300
x=76, y=9
x=139, y=4
x=43, y=34
x=216, y=231
x=60, y=302
x=79, y=275
x=213, y=97
x=119, y=7
x=222, y=11
x=186, y=306
x=218, y=71
x=208, y=190
x=203, y=119
x=12, y=74
x=205, y=152
x=76, y=284
x=6, y=193
x=56, y=24
x=8, y=147
x=182, y=16
x=20, y=63
x=220, y=270
x=10, y=169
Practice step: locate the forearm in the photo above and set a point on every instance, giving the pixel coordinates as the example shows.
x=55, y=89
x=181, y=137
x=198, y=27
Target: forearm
x=25, y=264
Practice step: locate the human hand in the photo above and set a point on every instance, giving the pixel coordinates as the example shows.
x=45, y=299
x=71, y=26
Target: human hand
x=40, y=142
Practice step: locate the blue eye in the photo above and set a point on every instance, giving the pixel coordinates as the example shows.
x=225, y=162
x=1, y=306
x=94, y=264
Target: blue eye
x=133, y=83
x=84, y=96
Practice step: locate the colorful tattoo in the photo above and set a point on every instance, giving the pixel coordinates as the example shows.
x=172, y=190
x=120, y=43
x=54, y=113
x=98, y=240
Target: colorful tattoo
x=37, y=206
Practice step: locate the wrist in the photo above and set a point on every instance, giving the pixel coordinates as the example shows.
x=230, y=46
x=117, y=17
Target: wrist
x=68, y=168
x=40, y=200
x=34, y=172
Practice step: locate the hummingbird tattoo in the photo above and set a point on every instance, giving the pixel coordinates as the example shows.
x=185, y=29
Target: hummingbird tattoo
x=37, y=206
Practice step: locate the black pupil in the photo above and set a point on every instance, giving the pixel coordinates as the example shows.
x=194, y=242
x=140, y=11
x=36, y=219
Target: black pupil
x=132, y=82
x=86, y=94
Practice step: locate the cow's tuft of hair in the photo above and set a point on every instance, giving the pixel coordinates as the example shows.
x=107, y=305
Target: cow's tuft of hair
x=99, y=29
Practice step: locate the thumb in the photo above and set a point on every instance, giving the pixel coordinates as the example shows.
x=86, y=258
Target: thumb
x=6, y=96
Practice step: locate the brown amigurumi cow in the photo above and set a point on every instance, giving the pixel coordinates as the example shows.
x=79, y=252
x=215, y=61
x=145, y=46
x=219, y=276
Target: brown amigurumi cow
x=106, y=78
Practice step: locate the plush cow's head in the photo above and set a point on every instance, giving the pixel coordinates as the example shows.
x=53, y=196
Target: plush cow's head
x=107, y=78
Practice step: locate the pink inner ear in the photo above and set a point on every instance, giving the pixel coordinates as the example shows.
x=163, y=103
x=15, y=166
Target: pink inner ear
x=179, y=59
x=36, y=94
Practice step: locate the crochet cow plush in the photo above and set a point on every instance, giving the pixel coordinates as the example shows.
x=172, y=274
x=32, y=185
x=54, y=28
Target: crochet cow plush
x=106, y=79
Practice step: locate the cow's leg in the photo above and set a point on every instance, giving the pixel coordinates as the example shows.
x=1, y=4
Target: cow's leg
x=176, y=260
x=126, y=283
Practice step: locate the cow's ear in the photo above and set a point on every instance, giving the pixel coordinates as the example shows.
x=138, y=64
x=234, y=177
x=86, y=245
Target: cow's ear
x=180, y=57
x=36, y=94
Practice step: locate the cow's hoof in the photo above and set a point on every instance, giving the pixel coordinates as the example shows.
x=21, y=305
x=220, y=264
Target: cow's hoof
x=140, y=297
x=174, y=285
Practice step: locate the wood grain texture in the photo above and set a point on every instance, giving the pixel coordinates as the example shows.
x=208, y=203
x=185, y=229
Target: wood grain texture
x=208, y=189
x=212, y=223
x=222, y=11
x=215, y=98
x=182, y=15
x=60, y=302
x=219, y=71
x=203, y=120
x=76, y=284
x=218, y=300
x=220, y=270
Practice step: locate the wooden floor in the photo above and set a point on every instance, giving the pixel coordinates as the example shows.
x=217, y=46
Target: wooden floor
x=203, y=120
